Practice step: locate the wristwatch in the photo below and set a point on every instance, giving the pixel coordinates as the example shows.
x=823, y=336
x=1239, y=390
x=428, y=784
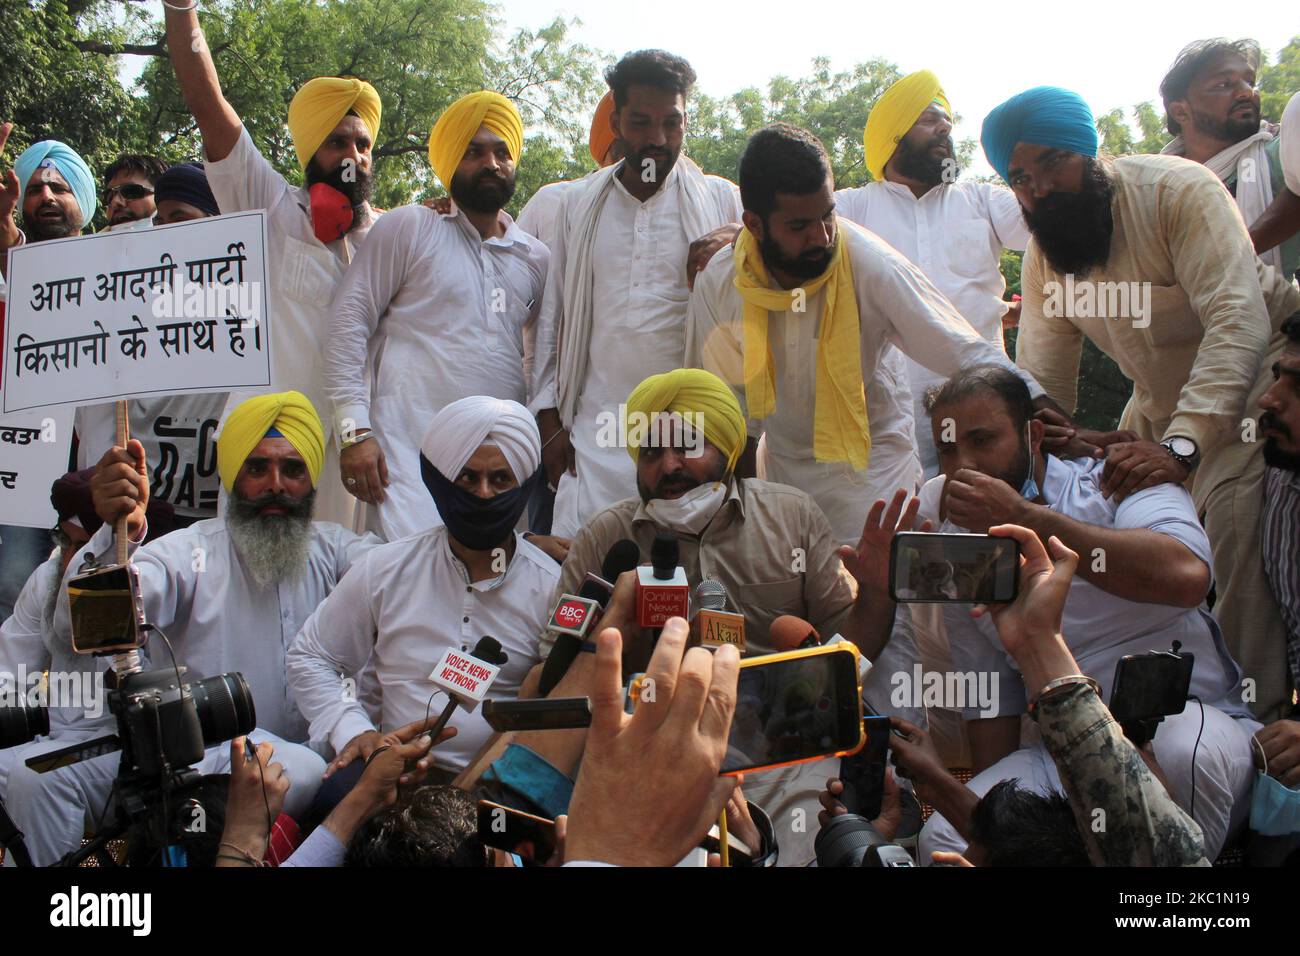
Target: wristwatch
x=1182, y=450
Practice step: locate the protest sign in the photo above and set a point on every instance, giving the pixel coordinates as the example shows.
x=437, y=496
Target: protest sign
x=34, y=448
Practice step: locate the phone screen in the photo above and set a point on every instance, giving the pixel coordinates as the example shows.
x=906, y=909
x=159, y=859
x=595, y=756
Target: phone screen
x=794, y=709
x=959, y=568
x=514, y=831
x=103, y=606
x=863, y=773
x=1148, y=686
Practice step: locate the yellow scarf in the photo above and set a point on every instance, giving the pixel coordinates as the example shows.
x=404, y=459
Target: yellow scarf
x=840, y=431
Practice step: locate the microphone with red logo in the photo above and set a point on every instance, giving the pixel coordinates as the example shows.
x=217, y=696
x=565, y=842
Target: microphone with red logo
x=661, y=589
x=575, y=615
x=466, y=677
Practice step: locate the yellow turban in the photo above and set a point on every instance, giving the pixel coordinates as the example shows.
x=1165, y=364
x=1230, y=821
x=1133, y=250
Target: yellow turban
x=602, y=136
x=894, y=113
x=289, y=413
x=691, y=391
x=460, y=123
x=318, y=107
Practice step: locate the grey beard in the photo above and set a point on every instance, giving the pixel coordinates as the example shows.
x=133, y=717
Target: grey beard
x=272, y=548
x=51, y=605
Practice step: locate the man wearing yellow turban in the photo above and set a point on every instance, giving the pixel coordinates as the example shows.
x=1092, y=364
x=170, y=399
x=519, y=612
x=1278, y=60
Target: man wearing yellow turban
x=450, y=300
x=952, y=230
x=230, y=593
x=313, y=230
x=801, y=319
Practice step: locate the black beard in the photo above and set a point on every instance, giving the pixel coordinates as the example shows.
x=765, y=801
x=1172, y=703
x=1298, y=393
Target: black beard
x=810, y=265
x=659, y=161
x=1074, y=229
x=922, y=165
x=486, y=193
x=1229, y=130
x=357, y=191
x=680, y=483
x=38, y=230
x=1274, y=456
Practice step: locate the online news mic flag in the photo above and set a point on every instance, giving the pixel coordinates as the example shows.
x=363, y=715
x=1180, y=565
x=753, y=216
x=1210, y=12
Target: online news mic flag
x=661, y=589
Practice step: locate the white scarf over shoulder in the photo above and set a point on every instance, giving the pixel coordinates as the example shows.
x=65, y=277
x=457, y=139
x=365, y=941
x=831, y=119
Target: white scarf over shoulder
x=702, y=211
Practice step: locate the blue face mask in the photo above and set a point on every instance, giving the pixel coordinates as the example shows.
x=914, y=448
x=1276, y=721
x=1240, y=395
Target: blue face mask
x=1274, y=808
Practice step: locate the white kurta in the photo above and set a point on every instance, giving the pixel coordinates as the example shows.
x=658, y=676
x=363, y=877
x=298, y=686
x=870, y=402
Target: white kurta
x=304, y=272
x=540, y=216
x=955, y=234
x=442, y=314
x=897, y=307
x=403, y=606
x=640, y=295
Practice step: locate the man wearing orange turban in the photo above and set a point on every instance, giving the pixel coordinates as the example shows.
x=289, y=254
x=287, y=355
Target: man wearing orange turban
x=313, y=231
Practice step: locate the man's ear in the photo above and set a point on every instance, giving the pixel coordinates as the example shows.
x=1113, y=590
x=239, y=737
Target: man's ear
x=754, y=223
x=1181, y=111
x=614, y=123
x=1036, y=431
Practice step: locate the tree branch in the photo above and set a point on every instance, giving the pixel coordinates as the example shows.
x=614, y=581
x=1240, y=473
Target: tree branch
x=116, y=49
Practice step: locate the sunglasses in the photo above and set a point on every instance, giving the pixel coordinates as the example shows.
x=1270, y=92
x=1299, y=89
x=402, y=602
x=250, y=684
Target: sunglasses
x=130, y=192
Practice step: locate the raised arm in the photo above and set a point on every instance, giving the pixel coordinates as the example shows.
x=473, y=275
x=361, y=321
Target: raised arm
x=197, y=76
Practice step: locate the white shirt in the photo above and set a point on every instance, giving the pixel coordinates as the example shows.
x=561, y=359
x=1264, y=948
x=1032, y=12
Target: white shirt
x=897, y=307
x=26, y=637
x=179, y=437
x=640, y=295
x=540, y=216
x=442, y=314
x=1098, y=626
x=303, y=274
x=1290, y=149
x=407, y=602
x=196, y=590
x=955, y=234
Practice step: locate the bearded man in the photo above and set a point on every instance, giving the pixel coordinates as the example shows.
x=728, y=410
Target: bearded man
x=434, y=308
x=1148, y=257
x=230, y=593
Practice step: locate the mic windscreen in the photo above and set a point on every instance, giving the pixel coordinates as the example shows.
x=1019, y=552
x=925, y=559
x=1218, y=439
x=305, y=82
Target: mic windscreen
x=664, y=554
x=489, y=649
x=789, y=632
x=711, y=596
x=623, y=556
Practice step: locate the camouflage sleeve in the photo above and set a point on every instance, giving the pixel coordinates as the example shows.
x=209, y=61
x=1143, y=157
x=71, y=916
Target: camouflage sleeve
x=1125, y=815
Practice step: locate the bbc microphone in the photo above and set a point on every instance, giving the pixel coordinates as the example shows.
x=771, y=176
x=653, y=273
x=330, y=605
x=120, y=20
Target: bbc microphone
x=575, y=615
x=714, y=624
x=661, y=589
x=466, y=677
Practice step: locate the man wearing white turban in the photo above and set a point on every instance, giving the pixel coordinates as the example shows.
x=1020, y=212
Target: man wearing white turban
x=409, y=601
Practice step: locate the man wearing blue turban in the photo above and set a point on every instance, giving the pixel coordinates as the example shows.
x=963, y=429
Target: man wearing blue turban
x=56, y=189
x=1148, y=256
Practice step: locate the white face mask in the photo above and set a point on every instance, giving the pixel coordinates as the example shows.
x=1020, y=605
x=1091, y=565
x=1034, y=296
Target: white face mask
x=692, y=512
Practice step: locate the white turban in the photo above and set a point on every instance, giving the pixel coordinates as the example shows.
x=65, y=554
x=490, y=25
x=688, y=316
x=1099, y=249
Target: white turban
x=458, y=430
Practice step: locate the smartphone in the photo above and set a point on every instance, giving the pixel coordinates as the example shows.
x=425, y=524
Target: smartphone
x=107, y=614
x=514, y=831
x=795, y=707
x=863, y=773
x=550, y=713
x=927, y=568
x=1151, y=686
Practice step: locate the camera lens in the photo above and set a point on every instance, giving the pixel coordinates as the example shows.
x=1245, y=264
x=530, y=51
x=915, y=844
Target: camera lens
x=20, y=724
x=225, y=706
x=845, y=841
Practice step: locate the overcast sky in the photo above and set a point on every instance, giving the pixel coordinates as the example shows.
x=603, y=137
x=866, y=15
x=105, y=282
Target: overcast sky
x=1112, y=53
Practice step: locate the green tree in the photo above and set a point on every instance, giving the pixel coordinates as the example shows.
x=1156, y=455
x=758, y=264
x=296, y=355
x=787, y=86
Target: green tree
x=1279, y=81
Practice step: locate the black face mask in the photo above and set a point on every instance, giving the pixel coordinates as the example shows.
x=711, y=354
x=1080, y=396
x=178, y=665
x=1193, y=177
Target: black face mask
x=480, y=524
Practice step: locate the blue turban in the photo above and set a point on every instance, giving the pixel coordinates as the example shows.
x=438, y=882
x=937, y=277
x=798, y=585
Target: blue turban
x=1044, y=116
x=188, y=183
x=73, y=168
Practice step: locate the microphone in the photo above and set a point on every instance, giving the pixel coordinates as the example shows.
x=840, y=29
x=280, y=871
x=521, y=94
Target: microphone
x=713, y=623
x=466, y=677
x=575, y=615
x=661, y=589
x=790, y=633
